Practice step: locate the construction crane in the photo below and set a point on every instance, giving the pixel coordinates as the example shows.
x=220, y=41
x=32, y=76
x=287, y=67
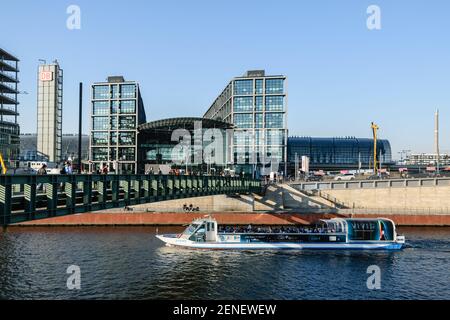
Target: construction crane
x=2, y=164
x=375, y=129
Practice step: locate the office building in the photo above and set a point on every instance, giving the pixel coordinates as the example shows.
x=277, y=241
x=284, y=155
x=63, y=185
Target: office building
x=9, y=128
x=256, y=105
x=338, y=153
x=117, y=111
x=49, y=108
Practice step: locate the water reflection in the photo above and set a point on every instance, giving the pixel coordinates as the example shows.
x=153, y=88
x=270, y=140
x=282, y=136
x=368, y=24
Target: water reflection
x=124, y=263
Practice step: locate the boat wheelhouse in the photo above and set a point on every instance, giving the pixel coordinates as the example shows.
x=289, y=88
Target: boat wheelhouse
x=337, y=233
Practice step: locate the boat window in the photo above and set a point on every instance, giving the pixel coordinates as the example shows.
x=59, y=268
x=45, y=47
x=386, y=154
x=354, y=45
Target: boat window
x=364, y=230
x=386, y=230
x=189, y=230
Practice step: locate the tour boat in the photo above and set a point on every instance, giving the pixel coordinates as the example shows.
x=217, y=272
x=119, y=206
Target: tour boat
x=337, y=233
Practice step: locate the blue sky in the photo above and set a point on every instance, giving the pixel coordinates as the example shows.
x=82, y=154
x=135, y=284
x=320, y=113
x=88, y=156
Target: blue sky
x=341, y=75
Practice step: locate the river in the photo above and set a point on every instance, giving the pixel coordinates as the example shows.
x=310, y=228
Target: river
x=130, y=263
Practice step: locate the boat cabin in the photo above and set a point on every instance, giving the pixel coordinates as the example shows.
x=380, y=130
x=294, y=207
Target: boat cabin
x=201, y=230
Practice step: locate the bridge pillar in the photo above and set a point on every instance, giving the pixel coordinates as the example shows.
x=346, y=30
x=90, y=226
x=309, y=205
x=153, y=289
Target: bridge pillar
x=126, y=185
x=5, y=200
x=87, y=194
x=163, y=188
x=147, y=184
x=70, y=190
x=102, y=191
x=154, y=187
x=30, y=190
x=52, y=196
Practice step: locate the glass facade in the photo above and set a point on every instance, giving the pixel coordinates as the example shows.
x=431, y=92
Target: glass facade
x=117, y=111
x=338, y=153
x=243, y=87
x=258, y=106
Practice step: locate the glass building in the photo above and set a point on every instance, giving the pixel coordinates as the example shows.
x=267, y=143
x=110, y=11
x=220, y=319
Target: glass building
x=49, y=106
x=157, y=143
x=256, y=105
x=338, y=153
x=9, y=128
x=117, y=111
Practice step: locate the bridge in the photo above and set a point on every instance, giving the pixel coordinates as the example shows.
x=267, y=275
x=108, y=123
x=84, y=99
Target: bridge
x=31, y=197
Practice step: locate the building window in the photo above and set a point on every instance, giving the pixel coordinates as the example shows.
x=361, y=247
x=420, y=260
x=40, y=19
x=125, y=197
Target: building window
x=243, y=87
x=127, y=138
x=274, y=120
x=100, y=123
x=113, y=123
x=259, y=86
x=127, y=122
x=243, y=104
x=100, y=154
x=112, y=154
x=274, y=103
x=243, y=120
x=100, y=108
x=114, y=107
x=115, y=91
x=128, y=91
x=101, y=92
x=259, y=103
x=113, y=138
x=128, y=106
x=275, y=152
x=275, y=137
x=274, y=86
x=259, y=120
x=99, y=138
x=243, y=138
x=126, y=154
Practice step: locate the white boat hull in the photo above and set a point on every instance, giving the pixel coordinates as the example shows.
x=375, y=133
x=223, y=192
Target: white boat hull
x=174, y=240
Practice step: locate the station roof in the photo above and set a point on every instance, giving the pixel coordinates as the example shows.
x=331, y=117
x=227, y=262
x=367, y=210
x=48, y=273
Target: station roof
x=184, y=123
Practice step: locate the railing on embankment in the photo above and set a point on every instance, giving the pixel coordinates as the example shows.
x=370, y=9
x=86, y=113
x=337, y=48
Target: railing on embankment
x=372, y=184
x=29, y=197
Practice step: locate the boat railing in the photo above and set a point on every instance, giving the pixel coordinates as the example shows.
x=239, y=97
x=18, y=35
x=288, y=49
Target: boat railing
x=283, y=233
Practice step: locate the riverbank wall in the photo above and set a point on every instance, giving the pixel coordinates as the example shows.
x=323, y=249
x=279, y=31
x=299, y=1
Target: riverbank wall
x=226, y=218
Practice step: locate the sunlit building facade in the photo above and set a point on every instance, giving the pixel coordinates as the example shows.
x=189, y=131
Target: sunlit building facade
x=256, y=105
x=50, y=109
x=117, y=111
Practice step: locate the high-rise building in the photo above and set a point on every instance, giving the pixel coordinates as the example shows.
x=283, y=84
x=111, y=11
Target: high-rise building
x=256, y=104
x=9, y=128
x=49, y=108
x=117, y=111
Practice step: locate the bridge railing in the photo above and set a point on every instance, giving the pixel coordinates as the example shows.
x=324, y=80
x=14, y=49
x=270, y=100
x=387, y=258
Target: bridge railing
x=30, y=197
x=372, y=184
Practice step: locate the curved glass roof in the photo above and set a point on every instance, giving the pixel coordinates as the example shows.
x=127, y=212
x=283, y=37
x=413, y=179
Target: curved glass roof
x=184, y=123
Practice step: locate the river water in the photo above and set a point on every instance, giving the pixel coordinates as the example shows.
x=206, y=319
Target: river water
x=130, y=263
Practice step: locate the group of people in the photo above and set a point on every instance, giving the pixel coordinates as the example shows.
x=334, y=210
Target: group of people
x=190, y=208
x=282, y=229
x=67, y=168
